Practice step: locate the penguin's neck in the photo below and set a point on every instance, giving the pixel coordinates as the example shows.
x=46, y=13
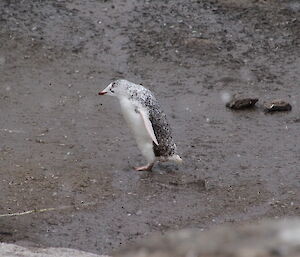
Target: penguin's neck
x=128, y=109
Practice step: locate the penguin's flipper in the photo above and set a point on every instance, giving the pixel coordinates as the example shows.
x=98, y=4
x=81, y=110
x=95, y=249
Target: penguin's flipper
x=148, y=125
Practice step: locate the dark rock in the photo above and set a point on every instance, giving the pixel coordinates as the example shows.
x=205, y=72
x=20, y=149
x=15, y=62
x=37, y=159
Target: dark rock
x=241, y=103
x=277, y=105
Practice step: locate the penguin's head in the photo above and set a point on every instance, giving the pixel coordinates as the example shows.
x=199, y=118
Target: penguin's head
x=117, y=88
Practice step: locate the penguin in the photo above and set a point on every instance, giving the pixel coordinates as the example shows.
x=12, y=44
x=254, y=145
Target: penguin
x=147, y=121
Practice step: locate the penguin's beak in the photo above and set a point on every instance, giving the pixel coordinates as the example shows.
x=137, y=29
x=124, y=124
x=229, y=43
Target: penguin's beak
x=102, y=93
x=105, y=90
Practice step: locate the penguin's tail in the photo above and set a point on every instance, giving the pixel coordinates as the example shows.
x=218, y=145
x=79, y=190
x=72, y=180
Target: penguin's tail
x=175, y=158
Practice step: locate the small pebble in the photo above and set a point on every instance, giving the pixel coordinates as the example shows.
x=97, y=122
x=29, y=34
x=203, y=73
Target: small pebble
x=277, y=106
x=241, y=103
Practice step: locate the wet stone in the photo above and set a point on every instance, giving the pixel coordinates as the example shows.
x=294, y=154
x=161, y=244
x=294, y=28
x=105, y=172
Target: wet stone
x=277, y=105
x=241, y=103
x=40, y=141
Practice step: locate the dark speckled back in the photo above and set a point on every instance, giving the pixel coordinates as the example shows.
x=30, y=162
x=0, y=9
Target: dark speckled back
x=166, y=146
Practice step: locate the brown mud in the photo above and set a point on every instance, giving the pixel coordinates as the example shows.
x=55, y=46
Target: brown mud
x=64, y=147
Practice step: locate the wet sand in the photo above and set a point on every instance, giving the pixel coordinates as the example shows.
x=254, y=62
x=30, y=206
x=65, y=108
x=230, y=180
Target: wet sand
x=64, y=147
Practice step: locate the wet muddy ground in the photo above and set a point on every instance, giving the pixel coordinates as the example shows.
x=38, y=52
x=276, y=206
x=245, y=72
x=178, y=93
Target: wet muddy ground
x=66, y=148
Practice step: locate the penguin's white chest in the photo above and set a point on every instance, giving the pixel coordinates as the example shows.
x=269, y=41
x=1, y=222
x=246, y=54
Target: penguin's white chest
x=137, y=125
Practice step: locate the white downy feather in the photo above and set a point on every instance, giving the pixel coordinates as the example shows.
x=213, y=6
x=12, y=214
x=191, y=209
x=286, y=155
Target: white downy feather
x=136, y=123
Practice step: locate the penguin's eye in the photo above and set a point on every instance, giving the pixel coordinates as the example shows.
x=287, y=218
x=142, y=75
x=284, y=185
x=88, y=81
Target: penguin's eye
x=111, y=88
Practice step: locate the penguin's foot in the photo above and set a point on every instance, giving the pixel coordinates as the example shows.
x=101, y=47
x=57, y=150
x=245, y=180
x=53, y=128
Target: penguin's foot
x=147, y=167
